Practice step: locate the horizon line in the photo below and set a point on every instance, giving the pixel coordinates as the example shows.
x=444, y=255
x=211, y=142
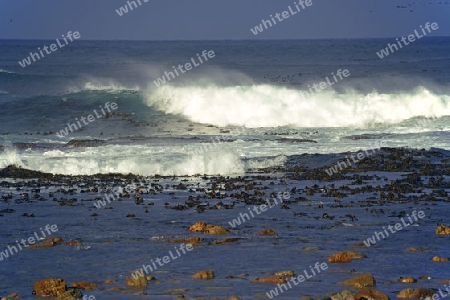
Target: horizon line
x=215, y=40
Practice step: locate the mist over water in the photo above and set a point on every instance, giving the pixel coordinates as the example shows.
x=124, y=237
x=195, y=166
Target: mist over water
x=274, y=106
x=260, y=113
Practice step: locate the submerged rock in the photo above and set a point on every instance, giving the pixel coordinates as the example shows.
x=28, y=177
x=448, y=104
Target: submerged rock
x=207, y=228
x=371, y=294
x=199, y=226
x=311, y=248
x=438, y=259
x=266, y=231
x=408, y=279
x=140, y=281
x=341, y=257
x=415, y=293
x=215, y=229
x=442, y=229
x=359, y=245
x=414, y=249
x=84, y=285
x=205, y=275
x=225, y=241
x=73, y=243
x=44, y=244
x=285, y=274
x=229, y=298
x=70, y=295
x=360, y=282
x=344, y=295
x=50, y=287
x=12, y=296
x=194, y=241
x=270, y=279
x=354, y=255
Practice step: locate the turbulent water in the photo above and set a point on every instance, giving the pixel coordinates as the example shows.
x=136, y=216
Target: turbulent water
x=248, y=110
x=249, y=107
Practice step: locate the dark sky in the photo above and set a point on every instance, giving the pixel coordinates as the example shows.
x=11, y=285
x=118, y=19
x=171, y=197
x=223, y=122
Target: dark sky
x=213, y=19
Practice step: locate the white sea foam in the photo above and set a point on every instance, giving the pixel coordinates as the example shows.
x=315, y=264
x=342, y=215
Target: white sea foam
x=132, y=159
x=273, y=106
x=10, y=157
x=107, y=85
x=5, y=71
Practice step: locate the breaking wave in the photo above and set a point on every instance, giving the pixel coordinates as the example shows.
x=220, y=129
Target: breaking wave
x=274, y=106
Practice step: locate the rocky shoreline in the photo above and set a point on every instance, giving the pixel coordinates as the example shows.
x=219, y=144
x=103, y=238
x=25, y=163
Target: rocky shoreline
x=326, y=219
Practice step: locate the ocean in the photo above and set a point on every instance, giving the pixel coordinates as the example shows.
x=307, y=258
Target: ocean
x=250, y=107
x=269, y=117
